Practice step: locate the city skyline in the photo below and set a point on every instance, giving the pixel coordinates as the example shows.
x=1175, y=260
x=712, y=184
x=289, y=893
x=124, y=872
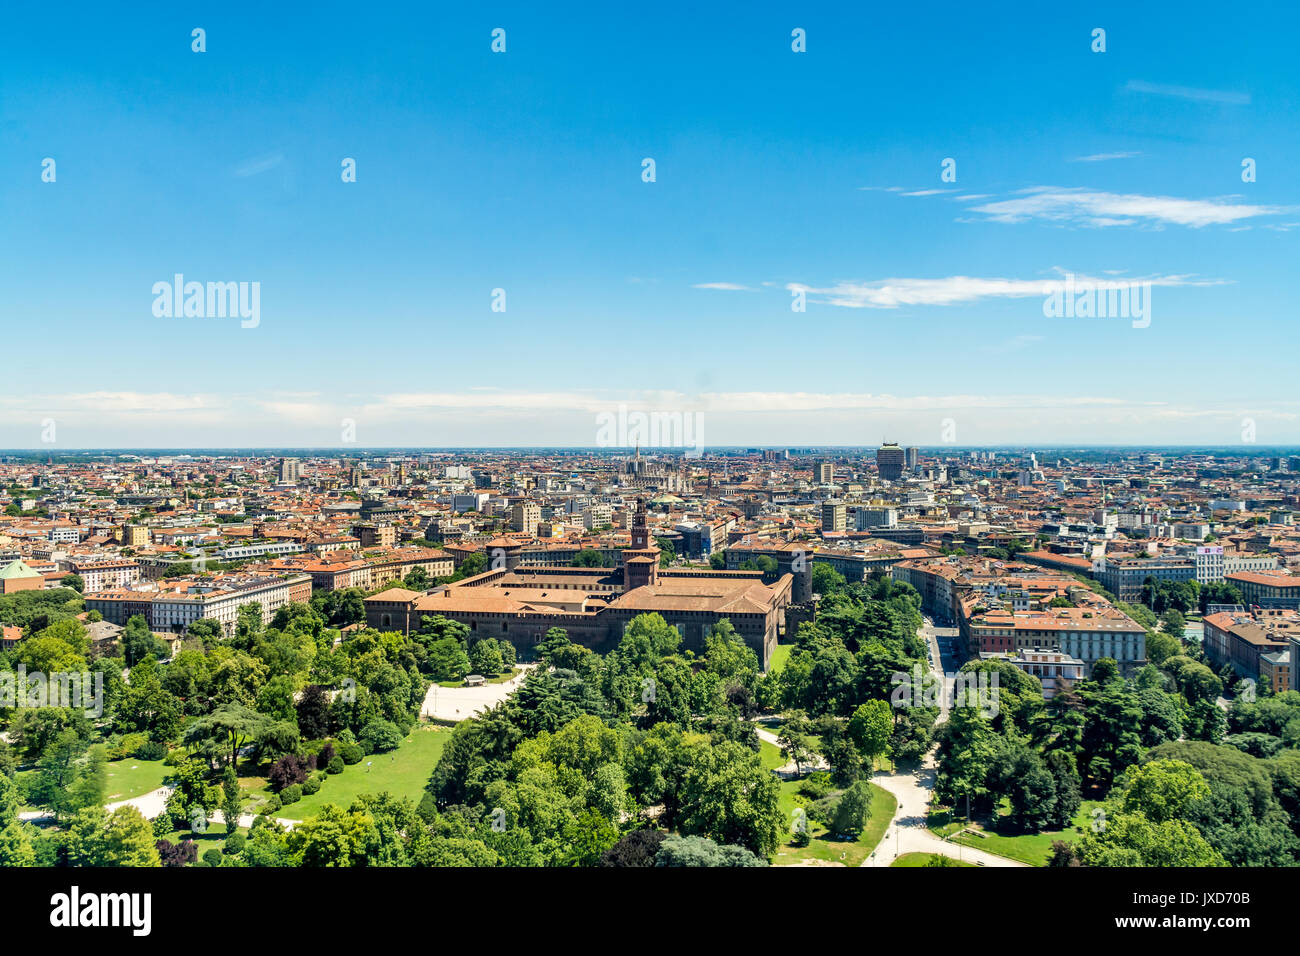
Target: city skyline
x=777, y=173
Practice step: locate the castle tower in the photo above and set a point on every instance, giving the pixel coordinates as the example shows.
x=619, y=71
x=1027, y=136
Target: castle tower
x=641, y=561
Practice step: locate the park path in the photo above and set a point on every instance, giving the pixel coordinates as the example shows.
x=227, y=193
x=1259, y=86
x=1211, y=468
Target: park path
x=908, y=833
x=913, y=789
x=818, y=762
x=461, y=703
x=151, y=805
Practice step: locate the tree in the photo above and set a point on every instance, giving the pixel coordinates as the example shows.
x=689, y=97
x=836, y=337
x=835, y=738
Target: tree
x=138, y=641
x=286, y=771
x=1032, y=791
x=722, y=791
x=380, y=736
x=1130, y=839
x=313, y=709
x=225, y=731
x=637, y=848
x=825, y=579
x=122, y=838
x=1173, y=623
x=793, y=740
x=231, y=804
x=1164, y=790
x=701, y=851
x=1161, y=646
x=69, y=777
x=334, y=837
x=74, y=581
x=485, y=657
x=15, y=837
x=447, y=660
x=852, y=810
x=871, y=727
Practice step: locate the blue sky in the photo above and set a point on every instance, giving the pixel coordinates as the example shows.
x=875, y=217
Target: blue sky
x=818, y=171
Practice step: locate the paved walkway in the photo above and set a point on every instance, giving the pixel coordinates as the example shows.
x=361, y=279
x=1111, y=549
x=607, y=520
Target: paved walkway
x=461, y=703
x=907, y=832
x=151, y=805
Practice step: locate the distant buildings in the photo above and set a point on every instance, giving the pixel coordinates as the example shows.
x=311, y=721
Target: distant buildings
x=891, y=461
x=525, y=516
x=834, y=517
x=518, y=603
x=1244, y=640
x=174, y=607
x=290, y=471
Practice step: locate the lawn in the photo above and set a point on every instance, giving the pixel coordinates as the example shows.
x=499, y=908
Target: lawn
x=131, y=778
x=771, y=755
x=823, y=847
x=1031, y=848
x=779, y=658
x=923, y=859
x=403, y=773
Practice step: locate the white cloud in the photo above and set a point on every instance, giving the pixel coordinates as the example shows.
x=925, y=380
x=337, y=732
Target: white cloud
x=723, y=286
x=955, y=290
x=1103, y=157
x=1094, y=208
x=258, y=164
x=1188, y=93
x=486, y=418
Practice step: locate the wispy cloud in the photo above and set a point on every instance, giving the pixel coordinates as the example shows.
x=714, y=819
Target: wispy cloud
x=1104, y=157
x=723, y=286
x=258, y=164
x=959, y=290
x=1188, y=93
x=486, y=417
x=1088, y=207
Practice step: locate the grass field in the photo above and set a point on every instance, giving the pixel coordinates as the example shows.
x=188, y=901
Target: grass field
x=779, y=658
x=403, y=773
x=923, y=859
x=823, y=847
x=1031, y=848
x=771, y=755
x=132, y=778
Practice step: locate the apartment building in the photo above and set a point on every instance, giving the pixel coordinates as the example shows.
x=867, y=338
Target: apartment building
x=103, y=575
x=1243, y=640
x=1086, y=634
x=525, y=516
x=373, y=535
x=834, y=517
x=1124, y=578
x=1057, y=672
x=1264, y=589
x=174, y=608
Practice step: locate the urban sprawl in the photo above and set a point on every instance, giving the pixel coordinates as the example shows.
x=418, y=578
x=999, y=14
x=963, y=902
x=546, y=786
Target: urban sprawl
x=884, y=656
